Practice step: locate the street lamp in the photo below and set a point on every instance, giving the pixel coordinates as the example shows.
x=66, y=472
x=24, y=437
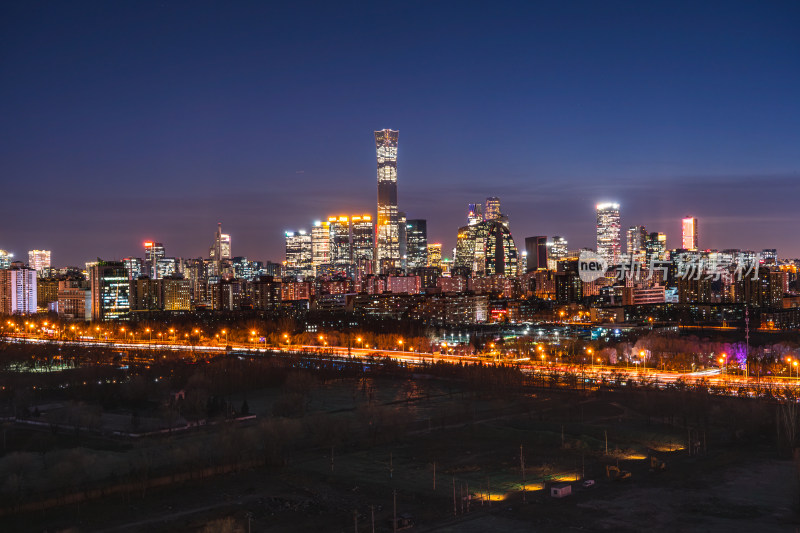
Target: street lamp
x=644, y=363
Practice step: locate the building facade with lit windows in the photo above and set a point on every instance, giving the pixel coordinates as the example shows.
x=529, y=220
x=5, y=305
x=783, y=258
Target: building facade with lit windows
x=486, y=249
x=110, y=290
x=656, y=247
x=134, y=267
x=492, y=208
x=320, y=244
x=153, y=253
x=340, y=248
x=557, y=249
x=363, y=243
x=608, y=228
x=220, y=250
x=387, y=249
x=18, y=290
x=474, y=214
x=298, y=254
x=435, y=254
x=416, y=243
x=689, y=234
x=74, y=300
x=5, y=258
x=39, y=259
x=636, y=243
x=176, y=293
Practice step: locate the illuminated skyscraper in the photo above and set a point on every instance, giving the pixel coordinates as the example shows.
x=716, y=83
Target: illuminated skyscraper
x=486, y=249
x=387, y=250
x=435, y=254
x=298, y=254
x=637, y=238
x=363, y=243
x=110, y=290
x=341, y=251
x=474, y=214
x=608, y=241
x=320, y=244
x=153, y=253
x=492, y=210
x=39, y=259
x=689, y=234
x=416, y=244
x=221, y=249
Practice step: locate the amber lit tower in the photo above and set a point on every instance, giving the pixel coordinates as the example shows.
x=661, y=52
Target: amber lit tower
x=689, y=227
x=387, y=248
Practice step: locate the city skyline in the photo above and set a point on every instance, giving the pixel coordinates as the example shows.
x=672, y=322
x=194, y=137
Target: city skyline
x=666, y=110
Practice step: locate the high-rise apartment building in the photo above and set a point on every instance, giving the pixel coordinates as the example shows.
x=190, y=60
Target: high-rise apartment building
x=435, y=254
x=608, y=239
x=637, y=238
x=387, y=249
x=39, y=259
x=110, y=290
x=298, y=254
x=18, y=290
x=492, y=208
x=689, y=233
x=416, y=243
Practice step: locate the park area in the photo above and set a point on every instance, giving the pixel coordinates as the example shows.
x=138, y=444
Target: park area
x=460, y=453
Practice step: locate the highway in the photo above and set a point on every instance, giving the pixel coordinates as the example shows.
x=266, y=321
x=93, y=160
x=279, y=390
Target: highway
x=592, y=373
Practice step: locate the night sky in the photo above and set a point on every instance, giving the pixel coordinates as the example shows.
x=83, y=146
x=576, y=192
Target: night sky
x=124, y=121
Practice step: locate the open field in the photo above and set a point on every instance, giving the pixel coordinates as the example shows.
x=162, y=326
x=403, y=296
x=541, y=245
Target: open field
x=360, y=444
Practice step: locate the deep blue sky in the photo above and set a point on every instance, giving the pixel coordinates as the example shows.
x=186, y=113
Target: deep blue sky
x=125, y=121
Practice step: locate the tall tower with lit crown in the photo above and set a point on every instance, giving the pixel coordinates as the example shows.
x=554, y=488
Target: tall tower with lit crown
x=387, y=249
